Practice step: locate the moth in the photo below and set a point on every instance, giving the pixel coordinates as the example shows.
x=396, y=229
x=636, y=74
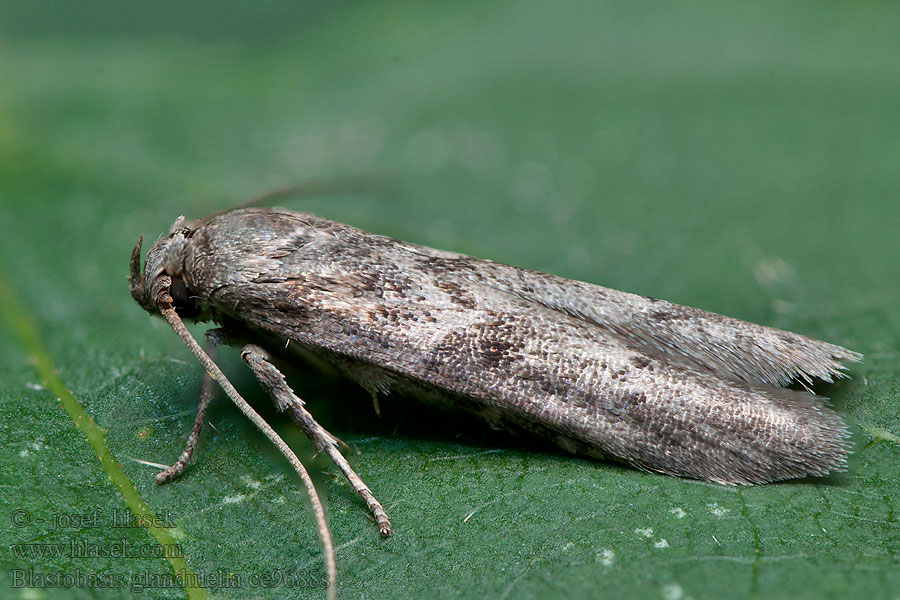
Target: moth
x=604, y=373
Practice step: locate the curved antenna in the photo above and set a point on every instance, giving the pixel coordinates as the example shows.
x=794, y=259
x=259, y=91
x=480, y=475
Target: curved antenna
x=372, y=183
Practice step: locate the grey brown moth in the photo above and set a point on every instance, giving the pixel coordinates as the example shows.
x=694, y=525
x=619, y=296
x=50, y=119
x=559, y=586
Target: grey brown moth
x=609, y=374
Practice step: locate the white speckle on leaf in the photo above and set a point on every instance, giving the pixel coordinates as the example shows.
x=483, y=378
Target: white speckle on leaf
x=662, y=543
x=719, y=511
x=678, y=512
x=251, y=483
x=782, y=307
x=606, y=557
x=234, y=499
x=672, y=591
x=772, y=272
x=32, y=594
x=644, y=532
x=34, y=386
x=23, y=453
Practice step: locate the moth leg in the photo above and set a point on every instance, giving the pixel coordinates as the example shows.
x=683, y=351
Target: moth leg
x=285, y=399
x=214, y=337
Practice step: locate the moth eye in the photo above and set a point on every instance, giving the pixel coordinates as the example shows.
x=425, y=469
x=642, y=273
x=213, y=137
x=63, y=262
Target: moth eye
x=185, y=303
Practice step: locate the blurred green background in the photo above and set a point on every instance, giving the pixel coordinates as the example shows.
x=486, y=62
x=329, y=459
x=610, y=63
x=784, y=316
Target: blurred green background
x=740, y=158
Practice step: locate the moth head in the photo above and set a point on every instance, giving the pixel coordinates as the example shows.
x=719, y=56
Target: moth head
x=162, y=279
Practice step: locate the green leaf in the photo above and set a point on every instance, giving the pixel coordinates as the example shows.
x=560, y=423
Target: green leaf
x=741, y=159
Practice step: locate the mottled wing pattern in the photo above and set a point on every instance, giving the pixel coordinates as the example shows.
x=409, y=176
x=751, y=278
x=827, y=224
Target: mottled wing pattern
x=660, y=386
x=751, y=352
